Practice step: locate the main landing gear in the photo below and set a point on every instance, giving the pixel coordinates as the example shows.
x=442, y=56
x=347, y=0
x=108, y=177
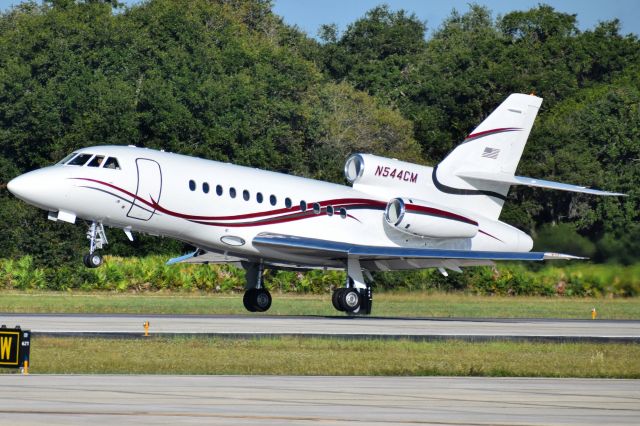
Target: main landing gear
x=357, y=296
x=256, y=297
x=97, y=239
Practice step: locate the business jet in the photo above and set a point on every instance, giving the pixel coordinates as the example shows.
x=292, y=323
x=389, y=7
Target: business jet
x=395, y=215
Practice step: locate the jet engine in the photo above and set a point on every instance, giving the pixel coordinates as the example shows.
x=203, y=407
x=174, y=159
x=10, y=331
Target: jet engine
x=367, y=169
x=430, y=220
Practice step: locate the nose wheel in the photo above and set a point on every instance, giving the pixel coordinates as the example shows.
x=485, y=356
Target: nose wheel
x=97, y=239
x=92, y=260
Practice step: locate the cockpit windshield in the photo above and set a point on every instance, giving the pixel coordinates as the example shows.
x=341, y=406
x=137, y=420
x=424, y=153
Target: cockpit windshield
x=79, y=160
x=67, y=158
x=82, y=159
x=112, y=163
x=97, y=161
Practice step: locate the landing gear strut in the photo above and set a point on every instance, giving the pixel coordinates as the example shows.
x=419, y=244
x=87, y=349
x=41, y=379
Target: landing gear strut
x=97, y=239
x=357, y=296
x=256, y=297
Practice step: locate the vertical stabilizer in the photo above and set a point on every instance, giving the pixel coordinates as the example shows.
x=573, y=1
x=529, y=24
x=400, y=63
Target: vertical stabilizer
x=494, y=147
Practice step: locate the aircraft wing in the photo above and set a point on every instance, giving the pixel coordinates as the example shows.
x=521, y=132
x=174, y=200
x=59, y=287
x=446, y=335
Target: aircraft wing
x=386, y=257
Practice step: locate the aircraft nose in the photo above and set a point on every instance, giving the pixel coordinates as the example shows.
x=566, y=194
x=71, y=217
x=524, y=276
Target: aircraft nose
x=19, y=186
x=30, y=187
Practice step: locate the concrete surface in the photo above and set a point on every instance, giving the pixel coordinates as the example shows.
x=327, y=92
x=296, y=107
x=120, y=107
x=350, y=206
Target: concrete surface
x=101, y=400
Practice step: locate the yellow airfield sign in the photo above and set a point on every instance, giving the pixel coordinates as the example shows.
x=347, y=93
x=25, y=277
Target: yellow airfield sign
x=14, y=346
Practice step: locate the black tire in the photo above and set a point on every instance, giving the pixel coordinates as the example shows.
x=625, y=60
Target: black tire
x=262, y=300
x=248, y=299
x=335, y=299
x=85, y=261
x=350, y=299
x=94, y=260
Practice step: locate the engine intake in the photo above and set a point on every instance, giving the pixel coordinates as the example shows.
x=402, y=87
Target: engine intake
x=430, y=220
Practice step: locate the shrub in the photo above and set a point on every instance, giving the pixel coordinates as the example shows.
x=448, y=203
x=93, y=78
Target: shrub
x=152, y=274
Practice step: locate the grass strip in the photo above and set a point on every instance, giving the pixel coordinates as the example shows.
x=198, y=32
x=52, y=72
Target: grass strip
x=319, y=356
x=403, y=304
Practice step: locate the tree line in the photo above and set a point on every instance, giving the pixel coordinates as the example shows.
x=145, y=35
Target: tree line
x=229, y=80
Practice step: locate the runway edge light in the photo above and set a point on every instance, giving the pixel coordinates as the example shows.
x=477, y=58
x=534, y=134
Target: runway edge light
x=15, y=345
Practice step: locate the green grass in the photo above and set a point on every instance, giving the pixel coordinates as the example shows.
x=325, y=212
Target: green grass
x=300, y=356
x=409, y=304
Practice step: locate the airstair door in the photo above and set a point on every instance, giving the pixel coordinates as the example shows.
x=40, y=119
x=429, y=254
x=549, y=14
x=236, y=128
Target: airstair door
x=149, y=189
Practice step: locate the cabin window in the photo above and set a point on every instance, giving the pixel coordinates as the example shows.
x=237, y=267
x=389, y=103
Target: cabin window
x=246, y=195
x=67, y=158
x=273, y=200
x=259, y=197
x=330, y=210
x=112, y=163
x=316, y=208
x=232, y=192
x=97, y=161
x=303, y=206
x=80, y=160
x=219, y=189
x=205, y=187
x=343, y=213
x=287, y=202
x=192, y=185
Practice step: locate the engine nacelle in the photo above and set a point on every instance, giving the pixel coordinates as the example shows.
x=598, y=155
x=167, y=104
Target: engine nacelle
x=430, y=220
x=371, y=170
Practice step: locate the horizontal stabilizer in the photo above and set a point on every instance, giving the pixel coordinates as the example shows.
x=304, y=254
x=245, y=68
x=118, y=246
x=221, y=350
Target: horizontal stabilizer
x=527, y=181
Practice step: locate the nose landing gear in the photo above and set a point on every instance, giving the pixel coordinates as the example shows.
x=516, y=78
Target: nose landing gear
x=97, y=239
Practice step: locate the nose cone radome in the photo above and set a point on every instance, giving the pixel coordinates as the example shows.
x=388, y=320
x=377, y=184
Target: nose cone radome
x=34, y=187
x=20, y=186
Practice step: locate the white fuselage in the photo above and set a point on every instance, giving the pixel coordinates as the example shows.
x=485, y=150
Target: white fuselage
x=192, y=200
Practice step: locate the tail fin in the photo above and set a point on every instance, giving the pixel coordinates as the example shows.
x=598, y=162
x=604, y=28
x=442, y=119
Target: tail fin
x=493, y=148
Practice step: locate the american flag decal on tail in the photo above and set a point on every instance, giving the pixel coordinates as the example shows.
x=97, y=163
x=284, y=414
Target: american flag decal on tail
x=491, y=153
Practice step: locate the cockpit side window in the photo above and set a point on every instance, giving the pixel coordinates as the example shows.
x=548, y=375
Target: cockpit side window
x=80, y=160
x=67, y=158
x=112, y=163
x=97, y=161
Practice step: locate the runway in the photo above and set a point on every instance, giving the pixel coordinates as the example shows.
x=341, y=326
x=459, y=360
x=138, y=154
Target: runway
x=235, y=400
x=343, y=327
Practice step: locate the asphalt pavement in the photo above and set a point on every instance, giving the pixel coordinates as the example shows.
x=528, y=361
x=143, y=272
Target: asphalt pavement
x=339, y=326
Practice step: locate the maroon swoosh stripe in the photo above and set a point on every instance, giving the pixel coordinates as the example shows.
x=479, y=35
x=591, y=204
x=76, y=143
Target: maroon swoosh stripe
x=296, y=215
x=489, y=235
x=491, y=132
x=440, y=213
x=337, y=203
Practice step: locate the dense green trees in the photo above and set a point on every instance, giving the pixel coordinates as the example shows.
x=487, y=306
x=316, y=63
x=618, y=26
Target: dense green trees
x=228, y=80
